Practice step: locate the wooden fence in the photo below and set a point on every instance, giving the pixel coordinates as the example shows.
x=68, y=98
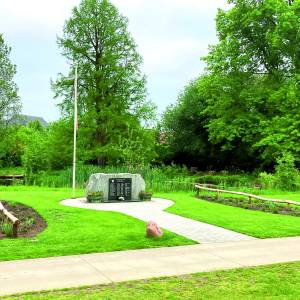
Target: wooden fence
x=250, y=196
x=9, y=179
x=15, y=222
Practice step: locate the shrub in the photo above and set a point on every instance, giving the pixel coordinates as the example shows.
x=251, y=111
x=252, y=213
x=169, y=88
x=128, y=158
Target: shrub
x=227, y=180
x=267, y=180
x=7, y=229
x=287, y=176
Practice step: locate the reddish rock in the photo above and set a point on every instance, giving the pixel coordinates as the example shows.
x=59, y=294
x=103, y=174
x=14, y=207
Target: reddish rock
x=153, y=230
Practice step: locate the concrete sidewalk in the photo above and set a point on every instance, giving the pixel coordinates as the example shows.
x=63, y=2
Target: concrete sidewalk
x=104, y=268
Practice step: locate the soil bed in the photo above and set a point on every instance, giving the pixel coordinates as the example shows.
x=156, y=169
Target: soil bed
x=254, y=204
x=31, y=222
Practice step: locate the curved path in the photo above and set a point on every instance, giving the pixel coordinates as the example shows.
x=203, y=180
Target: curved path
x=154, y=210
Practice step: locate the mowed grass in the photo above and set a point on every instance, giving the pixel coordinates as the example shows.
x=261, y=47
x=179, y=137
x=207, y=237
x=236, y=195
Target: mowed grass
x=76, y=231
x=254, y=223
x=280, y=281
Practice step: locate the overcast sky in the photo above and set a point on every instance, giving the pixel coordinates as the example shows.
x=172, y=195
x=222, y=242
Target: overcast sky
x=171, y=36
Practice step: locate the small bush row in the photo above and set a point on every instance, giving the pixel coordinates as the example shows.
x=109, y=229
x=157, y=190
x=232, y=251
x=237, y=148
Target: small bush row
x=270, y=207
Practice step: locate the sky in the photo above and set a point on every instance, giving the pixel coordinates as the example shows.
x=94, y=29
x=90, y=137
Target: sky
x=171, y=36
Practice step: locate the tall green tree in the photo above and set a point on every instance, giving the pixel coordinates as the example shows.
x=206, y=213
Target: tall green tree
x=183, y=128
x=9, y=106
x=252, y=79
x=112, y=97
x=9, y=100
x=35, y=156
x=244, y=111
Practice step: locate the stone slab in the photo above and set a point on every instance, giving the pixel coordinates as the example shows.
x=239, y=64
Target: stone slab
x=123, y=184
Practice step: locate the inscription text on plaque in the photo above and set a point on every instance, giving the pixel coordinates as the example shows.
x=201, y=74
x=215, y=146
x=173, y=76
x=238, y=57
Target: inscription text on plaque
x=119, y=189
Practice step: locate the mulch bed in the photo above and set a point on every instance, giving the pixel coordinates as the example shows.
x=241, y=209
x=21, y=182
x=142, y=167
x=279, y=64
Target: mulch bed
x=31, y=222
x=260, y=205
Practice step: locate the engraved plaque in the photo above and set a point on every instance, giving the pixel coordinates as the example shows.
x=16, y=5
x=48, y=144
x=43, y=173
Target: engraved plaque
x=119, y=188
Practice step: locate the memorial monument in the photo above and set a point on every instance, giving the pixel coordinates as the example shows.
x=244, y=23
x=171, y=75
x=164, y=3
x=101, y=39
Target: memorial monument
x=118, y=187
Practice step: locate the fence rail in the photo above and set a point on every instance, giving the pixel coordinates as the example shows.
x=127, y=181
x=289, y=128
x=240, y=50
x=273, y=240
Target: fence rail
x=12, y=177
x=250, y=196
x=9, y=179
x=15, y=221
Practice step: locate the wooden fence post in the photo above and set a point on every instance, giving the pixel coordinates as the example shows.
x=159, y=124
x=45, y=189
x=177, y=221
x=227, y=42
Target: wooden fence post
x=16, y=222
x=250, y=196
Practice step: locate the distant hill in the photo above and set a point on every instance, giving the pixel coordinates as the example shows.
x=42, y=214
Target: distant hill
x=25, y=120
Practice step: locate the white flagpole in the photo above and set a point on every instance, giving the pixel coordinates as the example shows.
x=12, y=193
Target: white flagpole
x=75, y=131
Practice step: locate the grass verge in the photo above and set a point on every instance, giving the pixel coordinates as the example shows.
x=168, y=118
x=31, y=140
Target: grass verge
x=281, y=281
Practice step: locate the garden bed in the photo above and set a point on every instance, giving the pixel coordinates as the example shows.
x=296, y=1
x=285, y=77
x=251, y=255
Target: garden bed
x=31, y=222
x=255, y=204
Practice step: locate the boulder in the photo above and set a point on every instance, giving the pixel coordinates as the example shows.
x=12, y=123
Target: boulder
x=153, y=230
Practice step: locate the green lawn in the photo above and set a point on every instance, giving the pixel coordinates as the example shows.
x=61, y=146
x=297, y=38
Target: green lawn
x=75, y=231
x=255, y=223
x=280, y=281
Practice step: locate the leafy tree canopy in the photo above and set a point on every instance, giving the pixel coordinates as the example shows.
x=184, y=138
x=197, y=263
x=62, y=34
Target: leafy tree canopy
x=112, y=96
x=247, y=102
x=9, y=100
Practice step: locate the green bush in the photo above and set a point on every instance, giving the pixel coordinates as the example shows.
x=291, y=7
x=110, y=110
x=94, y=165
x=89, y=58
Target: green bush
x=267, y=180
x=287, y=176
x=227, y=180
x=7, y=229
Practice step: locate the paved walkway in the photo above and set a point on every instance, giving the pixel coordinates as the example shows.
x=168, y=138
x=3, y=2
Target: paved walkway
x=104, y=268
x=154, y=210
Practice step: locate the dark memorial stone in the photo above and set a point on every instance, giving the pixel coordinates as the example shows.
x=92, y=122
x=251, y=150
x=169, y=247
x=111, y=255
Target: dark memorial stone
x=119, y=189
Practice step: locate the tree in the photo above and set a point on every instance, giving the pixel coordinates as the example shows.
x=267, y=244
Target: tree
x=111, y=93
x=9, y=107
x=243, y=113
x=60, y=155
x=9, y=100
x=252, y=86
x=184, y=128
x=34, y=139
x=11, y=147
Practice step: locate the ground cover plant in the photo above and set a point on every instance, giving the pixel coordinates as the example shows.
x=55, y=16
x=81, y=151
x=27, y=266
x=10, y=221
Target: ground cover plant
x=255, y=204
x=31, y=222
x=254, y=223
x=281, y=281
x=74, y=231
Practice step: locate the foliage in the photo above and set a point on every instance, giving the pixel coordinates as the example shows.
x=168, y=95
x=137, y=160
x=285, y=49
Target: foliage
x=9, y=106
x=7, y=228
x=245, y=109
x=267, y=180
x=60, y=144
x=287, y=176
x=11, y=147
x=183, y=127
x=228, y=180
x=9, y=99
x=35, y=157
x=112, y=100
x=254, y=204
x=143, y=195
x=165, y=178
